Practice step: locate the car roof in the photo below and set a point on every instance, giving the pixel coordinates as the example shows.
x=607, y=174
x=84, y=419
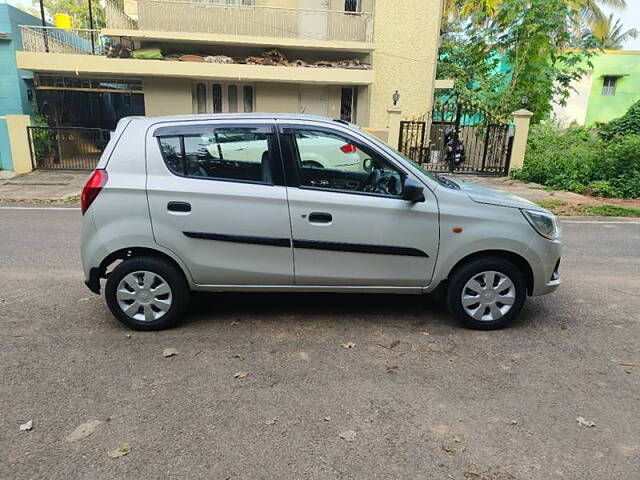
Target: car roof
x=241, y=116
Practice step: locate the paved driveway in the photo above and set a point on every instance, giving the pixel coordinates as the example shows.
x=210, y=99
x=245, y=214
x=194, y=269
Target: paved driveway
x=425, y=398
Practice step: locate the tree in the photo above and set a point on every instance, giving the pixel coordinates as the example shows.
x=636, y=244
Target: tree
x=30, y=9
x=609, y=35
x=590, y=11
x=468, y=8
x=515, y=57
x=78, y=10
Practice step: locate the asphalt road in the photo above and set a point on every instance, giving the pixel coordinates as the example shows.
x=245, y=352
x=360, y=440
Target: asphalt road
x=425, y=398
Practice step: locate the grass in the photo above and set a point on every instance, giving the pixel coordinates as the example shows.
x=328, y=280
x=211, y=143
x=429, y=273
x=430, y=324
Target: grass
x=560, y=207
x=551, y=204
x=611, y=211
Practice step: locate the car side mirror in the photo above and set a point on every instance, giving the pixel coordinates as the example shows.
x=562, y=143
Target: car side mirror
x=412, y=190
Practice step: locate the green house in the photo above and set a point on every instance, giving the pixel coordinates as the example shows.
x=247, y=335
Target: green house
x=605, y=92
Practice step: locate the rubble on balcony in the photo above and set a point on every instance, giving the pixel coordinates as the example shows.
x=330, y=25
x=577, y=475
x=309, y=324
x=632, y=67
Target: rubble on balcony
x=269, y=58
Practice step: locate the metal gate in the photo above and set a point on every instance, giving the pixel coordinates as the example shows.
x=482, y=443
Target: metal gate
x=66, y=148
x=486, y=139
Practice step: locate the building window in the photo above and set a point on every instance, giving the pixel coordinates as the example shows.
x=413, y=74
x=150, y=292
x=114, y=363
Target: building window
x=232, y=94
x=347, y=104
x=351, y=5
x=201, y=98
x=216, y=90
x=53, y=82
x=609, y=86
x=248, y=98
x=216, y=97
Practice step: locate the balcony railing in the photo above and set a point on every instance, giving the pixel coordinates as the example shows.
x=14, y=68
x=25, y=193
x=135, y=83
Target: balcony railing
x=59, y=40
x=262, y=21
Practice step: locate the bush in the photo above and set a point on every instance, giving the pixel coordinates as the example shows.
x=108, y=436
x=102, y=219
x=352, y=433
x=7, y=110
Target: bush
x=600, y=188
x=628, y=124
x=576, y=159
x=561, y=159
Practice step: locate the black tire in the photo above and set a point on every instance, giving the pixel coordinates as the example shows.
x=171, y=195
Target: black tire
x=474, y=268
x=173, y=276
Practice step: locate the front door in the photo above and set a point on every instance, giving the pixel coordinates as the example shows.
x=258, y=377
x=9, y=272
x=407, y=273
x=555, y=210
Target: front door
x=350, y=225
x=218, y=201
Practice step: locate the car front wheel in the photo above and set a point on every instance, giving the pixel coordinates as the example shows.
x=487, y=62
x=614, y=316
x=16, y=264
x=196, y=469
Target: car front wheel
x=147, y=293
x=486, y=293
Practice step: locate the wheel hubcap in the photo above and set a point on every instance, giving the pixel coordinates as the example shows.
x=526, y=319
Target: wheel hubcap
x=488, y=296
x=144, y=296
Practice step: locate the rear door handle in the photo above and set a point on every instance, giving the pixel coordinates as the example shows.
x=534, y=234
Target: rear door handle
x=320, y=217
x=181, y=207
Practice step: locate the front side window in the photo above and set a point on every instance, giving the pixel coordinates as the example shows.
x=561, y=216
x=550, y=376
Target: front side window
x=223, y=153
x=333, y=162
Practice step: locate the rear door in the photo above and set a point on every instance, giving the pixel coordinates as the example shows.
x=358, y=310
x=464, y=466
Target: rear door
x=218, y=201
x=350, y=226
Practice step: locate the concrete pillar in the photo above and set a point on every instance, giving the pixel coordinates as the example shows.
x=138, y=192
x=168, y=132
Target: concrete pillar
x=395, y=115
x=521, y=120
x=19, y=142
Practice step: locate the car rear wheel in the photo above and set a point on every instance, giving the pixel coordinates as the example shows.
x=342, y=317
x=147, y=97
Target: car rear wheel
x=486, y=293
x=147, y=293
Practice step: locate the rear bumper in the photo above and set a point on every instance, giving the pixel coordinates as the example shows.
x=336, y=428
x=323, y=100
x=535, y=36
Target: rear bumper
x=92, y=253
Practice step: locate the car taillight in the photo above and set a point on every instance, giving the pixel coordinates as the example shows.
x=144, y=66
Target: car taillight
x=97, y=180
x=349, y=148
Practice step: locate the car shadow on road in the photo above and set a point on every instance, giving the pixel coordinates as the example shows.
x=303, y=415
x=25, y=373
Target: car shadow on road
x=399, y=311
x=411, y=310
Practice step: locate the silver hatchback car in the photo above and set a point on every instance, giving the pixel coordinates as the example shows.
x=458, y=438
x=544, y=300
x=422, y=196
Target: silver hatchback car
x=278, y=203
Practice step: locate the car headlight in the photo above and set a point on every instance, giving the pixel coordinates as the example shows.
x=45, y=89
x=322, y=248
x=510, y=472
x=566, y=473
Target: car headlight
x=546, y=224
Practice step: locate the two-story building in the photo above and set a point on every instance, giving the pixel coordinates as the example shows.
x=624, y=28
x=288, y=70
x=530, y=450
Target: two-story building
x=338, y=58
x=609, y=87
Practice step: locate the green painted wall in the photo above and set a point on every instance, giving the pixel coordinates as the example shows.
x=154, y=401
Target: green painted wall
x=603, y=108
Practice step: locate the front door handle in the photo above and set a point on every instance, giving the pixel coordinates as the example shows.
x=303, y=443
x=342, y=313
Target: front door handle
x=320, y=217
x=182, y=207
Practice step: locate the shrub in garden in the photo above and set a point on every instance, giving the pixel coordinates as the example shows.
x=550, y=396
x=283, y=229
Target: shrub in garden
x=620, y=166
x=578, y=160
x=628, y=124
x=561, y=159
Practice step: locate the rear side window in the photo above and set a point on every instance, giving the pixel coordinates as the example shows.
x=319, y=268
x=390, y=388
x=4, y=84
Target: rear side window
x=240, y=154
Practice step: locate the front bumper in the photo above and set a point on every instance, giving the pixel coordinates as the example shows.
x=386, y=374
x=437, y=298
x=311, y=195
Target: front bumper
x=544, y=259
